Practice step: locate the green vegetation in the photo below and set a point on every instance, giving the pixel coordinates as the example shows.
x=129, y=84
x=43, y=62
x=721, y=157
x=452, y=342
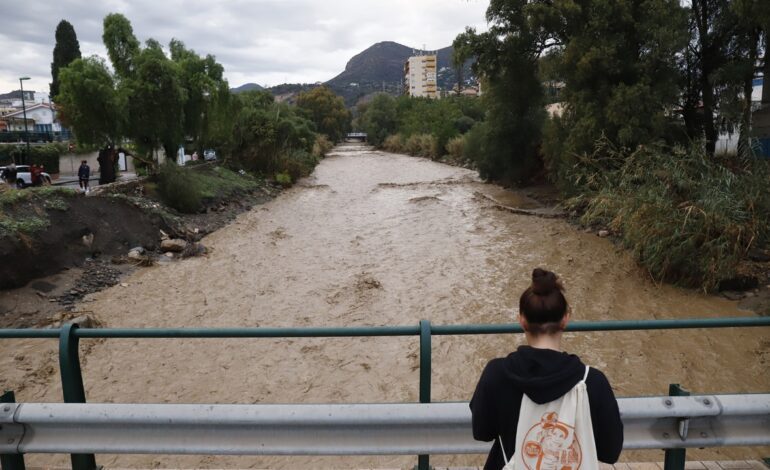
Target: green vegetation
x=88, y=102
x=418, y=126
x=188, y=189
x=645, y=87
x=46, y=155
x=66, y=50
x=326, y=110
x=23, y=212
x=687, y=218
x=269, y=137
x=156, y=99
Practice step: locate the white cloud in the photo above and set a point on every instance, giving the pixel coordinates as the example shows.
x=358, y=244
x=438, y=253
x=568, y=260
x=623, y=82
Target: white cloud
x=262, y=41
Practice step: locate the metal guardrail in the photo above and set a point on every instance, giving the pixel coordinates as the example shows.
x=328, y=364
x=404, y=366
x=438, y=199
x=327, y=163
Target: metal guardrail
x=74, y=390
x=356, y=429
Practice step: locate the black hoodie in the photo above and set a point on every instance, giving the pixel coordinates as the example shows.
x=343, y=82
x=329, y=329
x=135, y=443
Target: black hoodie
x=544, y=375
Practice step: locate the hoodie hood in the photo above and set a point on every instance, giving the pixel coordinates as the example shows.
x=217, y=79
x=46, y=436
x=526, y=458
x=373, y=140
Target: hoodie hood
x=543, y=374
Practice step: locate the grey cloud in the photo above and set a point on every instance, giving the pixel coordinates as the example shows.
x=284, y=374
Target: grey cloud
x=265, y=41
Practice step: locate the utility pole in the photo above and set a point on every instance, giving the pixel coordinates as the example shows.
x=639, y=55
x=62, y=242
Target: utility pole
x=24, y=110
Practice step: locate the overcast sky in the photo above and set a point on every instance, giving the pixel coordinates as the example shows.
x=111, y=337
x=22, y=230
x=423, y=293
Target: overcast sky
x=261, y=41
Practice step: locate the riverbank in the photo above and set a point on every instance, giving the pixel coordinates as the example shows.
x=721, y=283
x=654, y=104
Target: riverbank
x=375, y=238
x=62, y=245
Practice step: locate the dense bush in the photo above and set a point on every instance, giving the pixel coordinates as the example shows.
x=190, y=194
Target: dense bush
x=455, y=148
x=322, y=146
x=297, y=164
x=266, y=132
x=686, y=218
x=188, y=189
x=418, y=145
x=379, y=118
x=179, y=188
x=46, y=155
x=423, y=145
x=327, y=111
x=403, y=124
x=394, y=143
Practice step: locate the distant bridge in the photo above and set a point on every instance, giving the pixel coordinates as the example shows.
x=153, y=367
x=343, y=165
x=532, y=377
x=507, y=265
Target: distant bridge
x=356, y=137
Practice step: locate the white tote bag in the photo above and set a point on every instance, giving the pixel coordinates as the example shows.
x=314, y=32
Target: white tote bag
x=555, y=436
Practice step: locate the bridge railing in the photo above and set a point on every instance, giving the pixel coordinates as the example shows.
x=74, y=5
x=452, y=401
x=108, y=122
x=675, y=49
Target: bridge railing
x=74, y=390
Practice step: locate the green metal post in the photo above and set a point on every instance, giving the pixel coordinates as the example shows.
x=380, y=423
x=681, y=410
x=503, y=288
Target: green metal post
x=674, y=459
x=423, y=461
x=10, y=461
x=72, y=384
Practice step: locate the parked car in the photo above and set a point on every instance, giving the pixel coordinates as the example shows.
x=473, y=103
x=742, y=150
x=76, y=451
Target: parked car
x=24, y=176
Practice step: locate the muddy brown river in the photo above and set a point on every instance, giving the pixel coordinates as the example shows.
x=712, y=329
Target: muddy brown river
x=374, y=238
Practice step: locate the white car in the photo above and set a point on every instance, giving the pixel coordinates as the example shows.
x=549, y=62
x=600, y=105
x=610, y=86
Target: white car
x=24, y=176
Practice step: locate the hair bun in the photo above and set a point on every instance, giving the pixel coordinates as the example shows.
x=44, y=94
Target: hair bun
x=544, y=282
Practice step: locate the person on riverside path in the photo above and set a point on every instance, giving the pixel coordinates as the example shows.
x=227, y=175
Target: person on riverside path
x=543, y=407
x=84, y=173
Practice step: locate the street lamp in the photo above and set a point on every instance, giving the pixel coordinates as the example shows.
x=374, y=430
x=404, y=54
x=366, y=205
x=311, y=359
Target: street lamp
x=24, y=110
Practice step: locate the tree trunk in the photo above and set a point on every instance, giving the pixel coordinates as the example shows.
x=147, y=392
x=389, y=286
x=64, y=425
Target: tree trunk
x=744, y=143
x=766, y=73
x=707, y=58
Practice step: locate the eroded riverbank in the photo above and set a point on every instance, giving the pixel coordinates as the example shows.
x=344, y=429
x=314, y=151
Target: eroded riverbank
x=381, y=239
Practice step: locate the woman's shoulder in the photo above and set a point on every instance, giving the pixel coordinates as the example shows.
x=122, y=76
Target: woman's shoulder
x=597, y=381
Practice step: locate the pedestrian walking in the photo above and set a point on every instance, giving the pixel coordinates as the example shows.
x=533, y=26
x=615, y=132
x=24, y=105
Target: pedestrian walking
x=35, y=174
x=543, y=407
x=84, y=173
x=10, y=173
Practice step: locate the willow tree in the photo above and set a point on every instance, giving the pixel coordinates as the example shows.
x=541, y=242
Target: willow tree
x=89, y=103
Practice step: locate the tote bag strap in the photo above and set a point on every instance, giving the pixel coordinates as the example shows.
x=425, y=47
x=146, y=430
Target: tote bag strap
x=585, y=376
x=505, y=459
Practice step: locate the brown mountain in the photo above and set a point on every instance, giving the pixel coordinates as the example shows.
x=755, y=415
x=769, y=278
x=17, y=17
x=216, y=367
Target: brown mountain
x=381, y=68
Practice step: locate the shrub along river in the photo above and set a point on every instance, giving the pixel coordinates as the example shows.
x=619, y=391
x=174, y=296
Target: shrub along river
x=373, y=238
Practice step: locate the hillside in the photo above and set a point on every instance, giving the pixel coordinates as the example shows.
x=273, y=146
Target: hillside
x=381, y=68
x=378, y=68
x=16, y=94
x=246, y=87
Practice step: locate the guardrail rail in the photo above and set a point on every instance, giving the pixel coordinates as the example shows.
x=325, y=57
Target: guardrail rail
x=672, y=423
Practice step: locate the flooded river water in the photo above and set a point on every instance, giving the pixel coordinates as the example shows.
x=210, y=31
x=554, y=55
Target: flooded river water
x=373, y=238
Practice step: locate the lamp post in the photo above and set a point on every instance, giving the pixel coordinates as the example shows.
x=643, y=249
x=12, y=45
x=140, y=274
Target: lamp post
x=24, y=110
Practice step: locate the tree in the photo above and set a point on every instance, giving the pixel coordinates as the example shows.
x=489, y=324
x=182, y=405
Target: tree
x=202, y=79
x=122, y=46
x=380, y=119
x=713, y=53
x=326, y=110
x=754, y=16
x=622, y=85
x=265, y=134
x=66, y=50
x=507, y=58
x=89, y=103
x=155, y=110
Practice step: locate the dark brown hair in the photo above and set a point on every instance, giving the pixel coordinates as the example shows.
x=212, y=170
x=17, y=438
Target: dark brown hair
x=543, y=304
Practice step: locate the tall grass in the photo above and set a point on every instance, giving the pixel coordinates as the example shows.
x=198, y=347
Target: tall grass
x=418, y=145
x=687, y=218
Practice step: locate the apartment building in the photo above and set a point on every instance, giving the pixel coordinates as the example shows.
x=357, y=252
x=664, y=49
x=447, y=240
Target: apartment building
x=420, y=76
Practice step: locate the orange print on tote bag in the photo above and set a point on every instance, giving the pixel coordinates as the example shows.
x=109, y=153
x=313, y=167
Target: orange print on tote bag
x=555, y=436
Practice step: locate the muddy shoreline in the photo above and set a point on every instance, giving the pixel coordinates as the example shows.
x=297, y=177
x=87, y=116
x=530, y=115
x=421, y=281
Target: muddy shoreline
x=373, y=238
x=48, y=300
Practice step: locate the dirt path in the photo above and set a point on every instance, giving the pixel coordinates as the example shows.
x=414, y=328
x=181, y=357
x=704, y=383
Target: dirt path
x=381, y=239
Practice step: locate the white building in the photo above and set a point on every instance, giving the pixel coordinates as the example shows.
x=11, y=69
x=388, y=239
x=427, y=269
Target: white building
x=727, y=142
x=420, y=76
x=43, y=115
